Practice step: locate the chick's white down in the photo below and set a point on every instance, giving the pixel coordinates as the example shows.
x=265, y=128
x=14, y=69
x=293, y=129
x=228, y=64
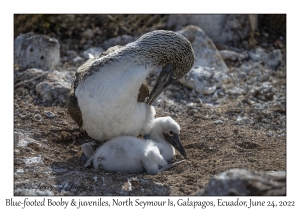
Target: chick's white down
x=129, y=154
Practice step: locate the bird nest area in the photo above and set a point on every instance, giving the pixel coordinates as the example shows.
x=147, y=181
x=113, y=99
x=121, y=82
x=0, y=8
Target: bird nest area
x=48, y=161
x=50, y=155
x=54, y=143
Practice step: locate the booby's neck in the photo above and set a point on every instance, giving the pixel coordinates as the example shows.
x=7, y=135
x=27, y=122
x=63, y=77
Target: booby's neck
x=152, y=50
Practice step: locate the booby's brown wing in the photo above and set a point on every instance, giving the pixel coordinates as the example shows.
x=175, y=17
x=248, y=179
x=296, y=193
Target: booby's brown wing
x=143, y=92
x=72, y=104
x=73, y=108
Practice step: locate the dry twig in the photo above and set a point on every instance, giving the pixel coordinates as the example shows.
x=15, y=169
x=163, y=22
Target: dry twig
x=31, y=80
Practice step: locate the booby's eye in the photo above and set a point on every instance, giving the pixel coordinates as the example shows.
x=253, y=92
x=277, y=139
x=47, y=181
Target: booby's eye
x=171, y=133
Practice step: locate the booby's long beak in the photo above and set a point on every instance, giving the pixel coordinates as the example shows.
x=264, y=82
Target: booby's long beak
x=165, y=78
x=174, y=140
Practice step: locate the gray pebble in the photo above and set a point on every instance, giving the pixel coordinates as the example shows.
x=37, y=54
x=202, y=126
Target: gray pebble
x=22, y=116
x=221, y=94
x=191, y=105
x=49, y=114
x=183, y=102
x=269, y=133
x=168, y=93
x=179, y=96
x=78, y=59
x=217, y=122
x=194, y=110
x=38, y=116
x=283, y=118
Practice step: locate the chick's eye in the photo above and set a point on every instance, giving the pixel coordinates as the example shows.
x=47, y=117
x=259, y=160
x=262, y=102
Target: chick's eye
x=171, y=133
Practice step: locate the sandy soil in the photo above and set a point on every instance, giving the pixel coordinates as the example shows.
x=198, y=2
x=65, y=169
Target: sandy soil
x=211, y=148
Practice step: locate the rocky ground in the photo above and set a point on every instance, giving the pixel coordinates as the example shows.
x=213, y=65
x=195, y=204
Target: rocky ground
x=241, y=124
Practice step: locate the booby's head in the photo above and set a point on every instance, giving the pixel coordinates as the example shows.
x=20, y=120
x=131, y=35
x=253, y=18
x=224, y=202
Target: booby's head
x=170, y=50
x=169, y=130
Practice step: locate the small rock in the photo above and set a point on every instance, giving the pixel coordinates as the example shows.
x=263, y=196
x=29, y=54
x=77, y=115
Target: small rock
x=213, y=117
x=231, y=55
x=245, y=67
x=240, y=182
x=235, y=91
x=71, y=54
x=243, y=120
x=33, y=192
x=218, y=122
x=119, y=40
x=208, y=105
x=49, y=114
x=23, y=142
x=273, y=59
x=38, y=117
x=193, y=93
x=78, y=59
x=33, y=160
x=19, y=171
x=215, y=96
x=221, y=94
x=204, y=80
x=269, y=133
x=195, y=111
x=56, y=86
x=257, y=106
x=257, y=55
x=22, y=116
x=183, y=102
x=179, y=96
x=36, y=51
x=168, y=93
x=221, y=28
x=191, y=105
x=206, y=53
x=242, y=75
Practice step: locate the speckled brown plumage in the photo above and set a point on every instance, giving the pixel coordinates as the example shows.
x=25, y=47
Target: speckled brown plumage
x=166, y=47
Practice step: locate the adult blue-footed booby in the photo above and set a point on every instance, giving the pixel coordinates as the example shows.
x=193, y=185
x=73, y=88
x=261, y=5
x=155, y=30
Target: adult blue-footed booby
x=103, y=96
x=128, y=154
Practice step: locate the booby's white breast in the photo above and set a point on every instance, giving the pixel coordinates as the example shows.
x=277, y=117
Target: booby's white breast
x=110, y=95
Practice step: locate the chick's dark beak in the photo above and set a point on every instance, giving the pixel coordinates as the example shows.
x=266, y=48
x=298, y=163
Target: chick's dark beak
x=174, y=140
